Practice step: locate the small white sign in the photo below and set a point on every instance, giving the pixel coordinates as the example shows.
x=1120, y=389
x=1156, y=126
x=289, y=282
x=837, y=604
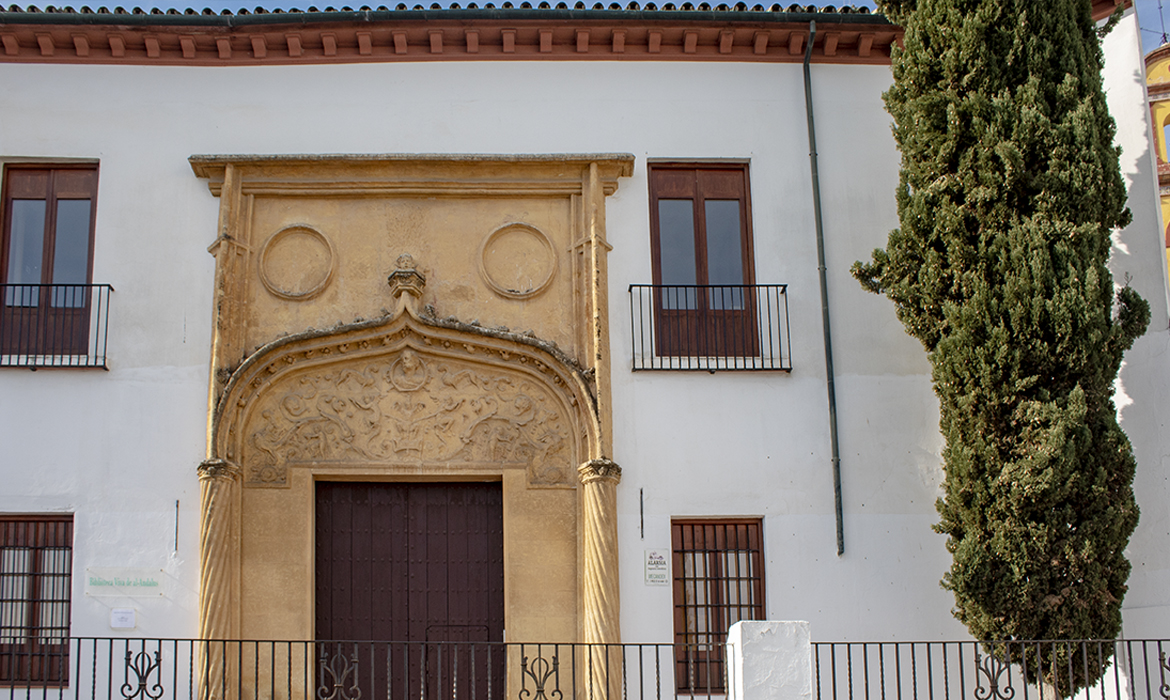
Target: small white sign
x=657, y=567
x=125, y=583
x=123, y=619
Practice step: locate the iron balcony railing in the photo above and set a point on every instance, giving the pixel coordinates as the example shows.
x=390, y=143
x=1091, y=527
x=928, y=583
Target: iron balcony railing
x=54, y=325
x=710, y=327
x=183, y=669
x=1015, y=670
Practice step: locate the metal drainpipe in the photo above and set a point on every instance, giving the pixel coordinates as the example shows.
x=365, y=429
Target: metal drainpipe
x=829, y=381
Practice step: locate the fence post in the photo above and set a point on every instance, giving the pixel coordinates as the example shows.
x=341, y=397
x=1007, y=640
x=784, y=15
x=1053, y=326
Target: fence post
x=769, y=661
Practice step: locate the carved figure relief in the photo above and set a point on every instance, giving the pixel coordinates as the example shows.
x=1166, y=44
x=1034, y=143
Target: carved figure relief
x=408, y=373
x=406, y=408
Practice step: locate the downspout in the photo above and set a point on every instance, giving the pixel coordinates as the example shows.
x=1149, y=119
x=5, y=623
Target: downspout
x=829, y=381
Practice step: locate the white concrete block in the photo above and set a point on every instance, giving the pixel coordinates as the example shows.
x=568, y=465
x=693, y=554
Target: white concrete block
x=769, y=661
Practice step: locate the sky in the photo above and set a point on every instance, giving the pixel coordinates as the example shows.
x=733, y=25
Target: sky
x=1153, y=15
x=1154, y=27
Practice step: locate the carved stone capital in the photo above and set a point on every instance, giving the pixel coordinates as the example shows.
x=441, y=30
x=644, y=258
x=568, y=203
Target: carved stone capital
x=601, y=469
x=218, y=470
x=406, y=279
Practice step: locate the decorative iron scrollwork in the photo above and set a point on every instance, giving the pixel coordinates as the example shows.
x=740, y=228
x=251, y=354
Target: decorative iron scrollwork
x=142, y=666
x=540, y=670
x=991, y=668
x=334, y=670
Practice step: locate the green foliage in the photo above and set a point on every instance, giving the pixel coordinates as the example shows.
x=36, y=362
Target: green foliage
x=1009, y=191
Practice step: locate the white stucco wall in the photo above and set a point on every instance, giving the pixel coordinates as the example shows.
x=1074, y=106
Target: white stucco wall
x=1144, y=382
x=119, y=448
x=758, y=444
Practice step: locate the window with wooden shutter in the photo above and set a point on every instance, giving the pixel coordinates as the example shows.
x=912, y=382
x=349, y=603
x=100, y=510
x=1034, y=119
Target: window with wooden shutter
x=36, y=567
x=46, y=257
x=718, y=572
x=701, y=243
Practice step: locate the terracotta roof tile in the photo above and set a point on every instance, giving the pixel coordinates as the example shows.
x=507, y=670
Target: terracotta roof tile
x=629, y=6
x=496, y=30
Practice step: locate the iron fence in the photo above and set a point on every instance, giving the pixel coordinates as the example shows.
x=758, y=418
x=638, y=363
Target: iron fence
x=1015, y=670
x=54, y=325
x=709, y=327
x=183, y=669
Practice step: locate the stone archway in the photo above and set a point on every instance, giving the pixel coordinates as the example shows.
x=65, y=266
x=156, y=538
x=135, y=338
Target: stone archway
x=407, y=404
x=406, y=398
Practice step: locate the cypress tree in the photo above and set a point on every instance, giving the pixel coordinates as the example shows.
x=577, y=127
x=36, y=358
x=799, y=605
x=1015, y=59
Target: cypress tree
x=1009, y=192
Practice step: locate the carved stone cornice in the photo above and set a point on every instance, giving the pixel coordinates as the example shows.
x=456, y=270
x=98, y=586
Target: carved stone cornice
x=600, y=469
x=218, y=469
x=394, y=174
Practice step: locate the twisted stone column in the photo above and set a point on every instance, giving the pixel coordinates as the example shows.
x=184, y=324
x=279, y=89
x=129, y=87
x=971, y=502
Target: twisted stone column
x=218, y=497
x=600, y=478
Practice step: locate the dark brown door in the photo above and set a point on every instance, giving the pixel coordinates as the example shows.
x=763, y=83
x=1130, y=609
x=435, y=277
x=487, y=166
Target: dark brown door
x=702, y=251
x=412, y=575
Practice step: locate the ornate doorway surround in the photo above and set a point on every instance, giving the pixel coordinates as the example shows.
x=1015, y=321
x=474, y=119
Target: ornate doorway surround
x=410, y=395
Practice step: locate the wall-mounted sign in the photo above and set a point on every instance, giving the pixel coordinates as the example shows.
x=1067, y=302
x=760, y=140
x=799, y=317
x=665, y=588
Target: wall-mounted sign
x=123, y=619
x=657, y=567
x=125, y=583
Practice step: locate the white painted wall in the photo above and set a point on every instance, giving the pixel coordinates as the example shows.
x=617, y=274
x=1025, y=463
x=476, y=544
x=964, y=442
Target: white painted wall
x=1144, y=383
x=758, y=444
x=119, y=448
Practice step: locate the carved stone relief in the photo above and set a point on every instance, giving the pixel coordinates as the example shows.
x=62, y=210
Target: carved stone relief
x=297, y=262
x=517, y=261
x=409, y=408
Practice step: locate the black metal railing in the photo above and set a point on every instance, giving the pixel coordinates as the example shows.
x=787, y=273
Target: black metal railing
x=184, y=669
x=54, y=325
x=710, y=327
x=1015, y=670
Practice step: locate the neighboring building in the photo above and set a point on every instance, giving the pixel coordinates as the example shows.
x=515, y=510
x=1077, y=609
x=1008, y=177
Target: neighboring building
x=1158, y=90
x=456, y=279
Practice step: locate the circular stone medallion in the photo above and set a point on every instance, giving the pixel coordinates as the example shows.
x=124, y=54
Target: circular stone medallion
x=409, y=372
x=297, y=262
x=517, y=261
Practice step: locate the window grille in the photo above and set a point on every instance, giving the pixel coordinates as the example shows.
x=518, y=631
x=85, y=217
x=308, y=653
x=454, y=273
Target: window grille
x=36, y=565
x=718, y=581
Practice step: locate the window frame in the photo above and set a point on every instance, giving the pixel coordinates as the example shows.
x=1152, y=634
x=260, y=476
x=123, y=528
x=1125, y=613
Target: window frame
x=44, y=326
x=32, y=659
x=703, y=327
x=700, y=666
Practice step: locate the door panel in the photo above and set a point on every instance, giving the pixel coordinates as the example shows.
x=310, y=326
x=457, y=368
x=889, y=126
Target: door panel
x=705, y=304
x=420, y=565
x=45, y=261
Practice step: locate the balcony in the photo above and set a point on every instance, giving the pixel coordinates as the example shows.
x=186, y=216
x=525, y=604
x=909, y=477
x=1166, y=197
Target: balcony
x=732, y=327
x=183, y=669
x=54, y=325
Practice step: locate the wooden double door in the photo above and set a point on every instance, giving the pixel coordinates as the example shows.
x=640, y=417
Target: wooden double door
x=410, y=590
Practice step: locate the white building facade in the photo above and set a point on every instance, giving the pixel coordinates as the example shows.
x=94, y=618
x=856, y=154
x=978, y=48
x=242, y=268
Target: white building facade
x=634, y=94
